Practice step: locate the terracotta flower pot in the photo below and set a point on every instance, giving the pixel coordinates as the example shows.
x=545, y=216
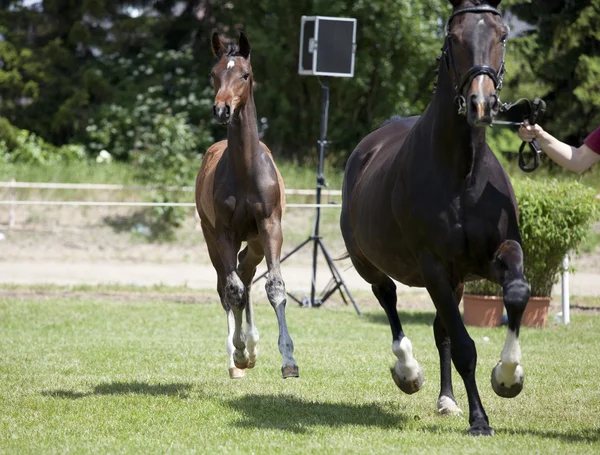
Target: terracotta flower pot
x=487, y=310
x=536, y=312
x=482, y=310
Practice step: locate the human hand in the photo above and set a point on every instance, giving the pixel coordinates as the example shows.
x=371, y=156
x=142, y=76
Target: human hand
x=529, y=132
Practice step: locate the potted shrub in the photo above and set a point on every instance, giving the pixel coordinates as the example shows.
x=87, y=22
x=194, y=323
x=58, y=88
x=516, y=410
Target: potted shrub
x=554, y=218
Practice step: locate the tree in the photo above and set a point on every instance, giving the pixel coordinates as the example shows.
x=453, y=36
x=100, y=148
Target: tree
x=559, y=60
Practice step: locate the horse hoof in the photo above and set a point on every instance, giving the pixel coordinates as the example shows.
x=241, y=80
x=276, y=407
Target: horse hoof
x=481, y=429
x=236, y=373
x=448, y=406
x=240, y=365
x=408, y=386
x=499, y=383
x=290, y=371
x=251, y=364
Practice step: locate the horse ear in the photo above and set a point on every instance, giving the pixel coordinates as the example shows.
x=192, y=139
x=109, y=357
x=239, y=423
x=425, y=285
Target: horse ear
x=217, y=45
x=244, y=45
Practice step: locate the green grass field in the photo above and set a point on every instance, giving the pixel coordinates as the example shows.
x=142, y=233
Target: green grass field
x=99, y=374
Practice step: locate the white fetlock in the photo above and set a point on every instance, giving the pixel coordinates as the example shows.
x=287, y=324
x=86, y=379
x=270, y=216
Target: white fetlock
x=447, y=406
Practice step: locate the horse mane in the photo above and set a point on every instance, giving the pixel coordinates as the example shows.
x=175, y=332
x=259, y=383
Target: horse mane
x=392, y=119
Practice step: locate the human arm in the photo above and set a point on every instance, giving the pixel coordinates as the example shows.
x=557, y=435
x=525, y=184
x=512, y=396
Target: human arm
x=575, y=159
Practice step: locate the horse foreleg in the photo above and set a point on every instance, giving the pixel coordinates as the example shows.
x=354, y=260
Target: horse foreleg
x=462, y=347
x=508, y=375
x=248, y=259
x=225, y=296
x=271, y=239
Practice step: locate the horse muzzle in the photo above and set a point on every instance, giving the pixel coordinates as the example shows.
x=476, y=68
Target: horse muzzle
x=222, y=112
x=482, y=110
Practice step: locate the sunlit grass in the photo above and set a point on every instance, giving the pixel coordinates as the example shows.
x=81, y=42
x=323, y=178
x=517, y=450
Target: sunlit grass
x=88, y=374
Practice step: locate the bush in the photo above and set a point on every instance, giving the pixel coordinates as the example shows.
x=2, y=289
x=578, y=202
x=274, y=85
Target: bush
x=554, y=218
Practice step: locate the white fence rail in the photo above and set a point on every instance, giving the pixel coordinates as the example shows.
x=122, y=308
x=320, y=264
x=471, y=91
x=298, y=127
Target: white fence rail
x=12, y=202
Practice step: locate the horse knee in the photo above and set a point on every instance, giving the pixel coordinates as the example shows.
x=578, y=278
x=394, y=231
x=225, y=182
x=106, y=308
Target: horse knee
x=233, y=291
x=516, y=293
x=275, y=288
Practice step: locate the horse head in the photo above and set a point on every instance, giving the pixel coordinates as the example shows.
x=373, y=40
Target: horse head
x=231, y=77
x=474, y=52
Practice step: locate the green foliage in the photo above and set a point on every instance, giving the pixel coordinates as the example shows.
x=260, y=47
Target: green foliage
x=555, y=218
x=397, y=42
x=482, y=287
x=558, y=60
x=28, y=148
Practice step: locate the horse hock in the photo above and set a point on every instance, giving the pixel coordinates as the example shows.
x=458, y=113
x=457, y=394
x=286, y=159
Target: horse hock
x=406, y=373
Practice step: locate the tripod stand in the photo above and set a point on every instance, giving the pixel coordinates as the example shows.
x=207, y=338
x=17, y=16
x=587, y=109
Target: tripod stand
x=336, y=282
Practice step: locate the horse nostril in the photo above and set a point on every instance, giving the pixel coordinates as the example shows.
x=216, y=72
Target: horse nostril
x=215, y=110
x=227, y=111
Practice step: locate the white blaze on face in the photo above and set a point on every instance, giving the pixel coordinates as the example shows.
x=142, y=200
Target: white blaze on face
x=230, y=64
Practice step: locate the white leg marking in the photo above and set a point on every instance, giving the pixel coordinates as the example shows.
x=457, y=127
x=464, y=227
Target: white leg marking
x=229, y=343
x=407, y=368
x=510, y=369
x=276, y=294
x=448, y=406
x=252, y=337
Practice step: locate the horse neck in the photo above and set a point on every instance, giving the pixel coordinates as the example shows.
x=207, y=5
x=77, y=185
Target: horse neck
x=456, y=144
x=242, y=139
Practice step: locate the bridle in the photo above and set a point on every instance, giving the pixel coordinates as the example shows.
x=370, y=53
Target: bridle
x=477, y=70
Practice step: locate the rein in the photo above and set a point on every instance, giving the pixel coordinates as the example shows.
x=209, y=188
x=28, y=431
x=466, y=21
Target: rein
x=476, y=70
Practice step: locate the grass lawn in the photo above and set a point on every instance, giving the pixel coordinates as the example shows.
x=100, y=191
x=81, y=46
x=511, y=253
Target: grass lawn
x=105, y=375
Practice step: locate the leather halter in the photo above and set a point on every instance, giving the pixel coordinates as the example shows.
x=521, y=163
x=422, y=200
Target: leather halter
x=477, y=70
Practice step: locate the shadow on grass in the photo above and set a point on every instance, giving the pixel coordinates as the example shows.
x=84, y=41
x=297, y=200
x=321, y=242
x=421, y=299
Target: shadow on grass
x=585, y=435
x=406, y=317
x=289, y=413
x=126, y=388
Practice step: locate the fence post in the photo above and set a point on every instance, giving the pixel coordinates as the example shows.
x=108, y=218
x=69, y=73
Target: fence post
x=11, y=210
x=566, y=305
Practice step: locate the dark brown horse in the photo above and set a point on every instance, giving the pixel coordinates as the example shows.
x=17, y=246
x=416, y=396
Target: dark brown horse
x=426, y=202
x=240, y=198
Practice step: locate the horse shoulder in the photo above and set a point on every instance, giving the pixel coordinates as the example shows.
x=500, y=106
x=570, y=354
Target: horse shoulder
x=205, y=182
x=279, y=178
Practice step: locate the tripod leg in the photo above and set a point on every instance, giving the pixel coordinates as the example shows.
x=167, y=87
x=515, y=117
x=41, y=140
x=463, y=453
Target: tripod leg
x=284, y=258
x=337, y=276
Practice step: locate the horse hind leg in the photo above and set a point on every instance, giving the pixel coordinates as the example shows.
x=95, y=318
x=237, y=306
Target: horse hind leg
x=446, y=403
x=406, y=372
x=508, y=375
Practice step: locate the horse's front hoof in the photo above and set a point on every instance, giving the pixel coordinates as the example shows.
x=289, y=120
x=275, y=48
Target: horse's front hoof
x=509, y=386
x=241, y=359
x=251, y=364
x=290, y=371
x=408, y=386
x=481, y=429
x=236, y=373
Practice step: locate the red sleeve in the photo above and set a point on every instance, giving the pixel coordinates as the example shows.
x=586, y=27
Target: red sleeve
x=593, y=140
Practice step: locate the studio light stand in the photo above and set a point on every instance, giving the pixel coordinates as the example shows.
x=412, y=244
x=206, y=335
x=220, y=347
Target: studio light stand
x=336, y=282
x=327, y=48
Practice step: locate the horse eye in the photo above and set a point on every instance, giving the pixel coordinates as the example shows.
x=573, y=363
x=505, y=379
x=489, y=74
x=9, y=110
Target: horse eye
x=246, y=76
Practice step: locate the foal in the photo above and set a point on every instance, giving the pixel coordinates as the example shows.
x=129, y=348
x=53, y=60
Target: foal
x=240, y=197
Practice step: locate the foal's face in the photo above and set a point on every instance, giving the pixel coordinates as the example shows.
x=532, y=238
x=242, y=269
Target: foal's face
x=478, y=39
x=231, y=77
